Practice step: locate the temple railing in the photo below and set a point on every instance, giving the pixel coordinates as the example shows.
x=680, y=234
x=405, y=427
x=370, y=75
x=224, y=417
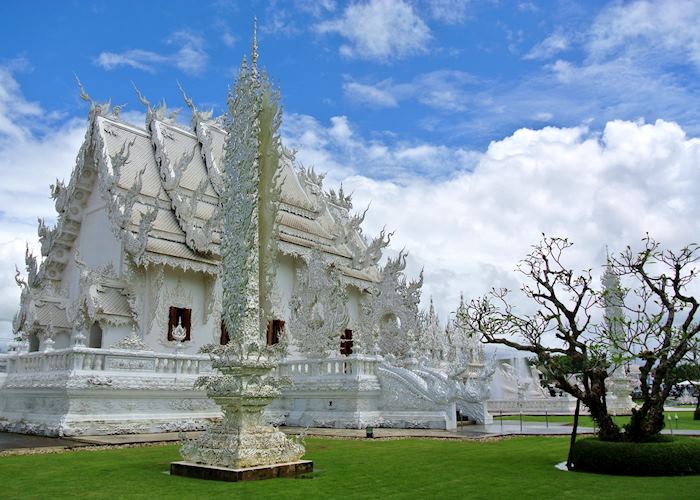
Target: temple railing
x=103, y=360
x=342, y=366
x=100, y=360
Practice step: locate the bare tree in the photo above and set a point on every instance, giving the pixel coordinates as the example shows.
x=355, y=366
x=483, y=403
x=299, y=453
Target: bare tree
x=559, y=333
x=662, y=329
x=578, y=353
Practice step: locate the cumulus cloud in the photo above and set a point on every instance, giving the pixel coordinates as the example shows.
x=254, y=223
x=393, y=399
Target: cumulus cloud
x=379, y=30
x=470, y=229
x=191, y=58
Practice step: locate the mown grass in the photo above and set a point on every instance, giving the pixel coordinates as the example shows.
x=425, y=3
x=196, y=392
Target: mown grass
x=685, y=420
x=406, y=468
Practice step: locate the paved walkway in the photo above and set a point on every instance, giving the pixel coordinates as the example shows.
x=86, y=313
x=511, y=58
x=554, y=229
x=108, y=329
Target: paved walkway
x=10, y=441
x=512, y=428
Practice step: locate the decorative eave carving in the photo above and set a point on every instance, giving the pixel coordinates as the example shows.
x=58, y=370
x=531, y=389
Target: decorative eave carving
x=199, y=234
x=89, y=307
x=202, y=124
x=120, y=203
x=132, y=342
x=70, y=199
x=156, y=259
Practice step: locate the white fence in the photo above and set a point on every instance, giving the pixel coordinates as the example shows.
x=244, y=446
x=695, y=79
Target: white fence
x=89, y=359
x=351, y=366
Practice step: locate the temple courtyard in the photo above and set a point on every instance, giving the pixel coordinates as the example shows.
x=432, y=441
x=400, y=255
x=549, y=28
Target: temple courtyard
x=472, y=467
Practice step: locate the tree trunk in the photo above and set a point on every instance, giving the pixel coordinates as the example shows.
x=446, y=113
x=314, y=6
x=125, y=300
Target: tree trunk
x=607, y=428
x=573, y=435
x=646, y=422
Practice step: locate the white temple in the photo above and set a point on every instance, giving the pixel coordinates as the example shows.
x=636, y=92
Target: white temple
x=128, y=289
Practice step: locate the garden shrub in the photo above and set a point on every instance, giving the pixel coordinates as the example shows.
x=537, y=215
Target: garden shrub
x=665, y=456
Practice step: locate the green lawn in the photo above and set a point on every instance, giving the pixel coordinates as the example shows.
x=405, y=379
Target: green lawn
x=685, y=420
x=511, y=468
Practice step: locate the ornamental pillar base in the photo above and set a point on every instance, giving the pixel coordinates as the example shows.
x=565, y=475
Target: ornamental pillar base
x=213, y=472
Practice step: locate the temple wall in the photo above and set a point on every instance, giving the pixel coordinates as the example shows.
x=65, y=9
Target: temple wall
x=96, y=244
x=285, y=284
x=354, y=296
x=180, y=289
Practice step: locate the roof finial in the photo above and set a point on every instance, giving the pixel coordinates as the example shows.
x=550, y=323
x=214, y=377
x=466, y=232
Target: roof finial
x=187, y=100
x=83, y=94
x=254, y=48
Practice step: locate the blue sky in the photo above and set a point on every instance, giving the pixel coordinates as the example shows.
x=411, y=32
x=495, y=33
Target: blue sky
x=471, y=126
x=457, y=72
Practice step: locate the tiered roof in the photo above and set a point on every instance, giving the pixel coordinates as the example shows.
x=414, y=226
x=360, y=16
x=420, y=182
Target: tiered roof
x=162, y=183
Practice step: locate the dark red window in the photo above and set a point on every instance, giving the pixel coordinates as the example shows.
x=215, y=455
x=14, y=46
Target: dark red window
x=346, y=343
x=224, y=338
x=275, y=329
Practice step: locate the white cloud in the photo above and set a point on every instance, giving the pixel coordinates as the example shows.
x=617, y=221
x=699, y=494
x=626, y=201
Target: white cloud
x=315, y=7
x=380, y=95
x=379, y=30
x=445, y=90
x=228, y=38
x=527, y=7
x=190, y=58
x=33, y=152
x=666, y=30
x=470, y=229
x=553, y=44
x=449, y=11
x=341, y=151
x=543, y=116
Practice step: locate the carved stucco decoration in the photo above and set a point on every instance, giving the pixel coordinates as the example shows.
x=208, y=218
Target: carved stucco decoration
x=177, y=296
x=122, y=206
x=199, y=234
x=88, y=308
x=405, y=389
x=389, y=312
x=319, y=312
x=131, y=342
x=201, y=124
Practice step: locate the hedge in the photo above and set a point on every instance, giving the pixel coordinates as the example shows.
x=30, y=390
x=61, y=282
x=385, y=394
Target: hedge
x=665, y=456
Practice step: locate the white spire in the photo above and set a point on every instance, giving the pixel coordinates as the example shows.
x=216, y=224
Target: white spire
x=254, y=48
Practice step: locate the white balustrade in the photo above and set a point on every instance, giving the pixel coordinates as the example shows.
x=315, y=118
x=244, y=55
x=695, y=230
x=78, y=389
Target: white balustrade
x=351, y=366
x=89, y=359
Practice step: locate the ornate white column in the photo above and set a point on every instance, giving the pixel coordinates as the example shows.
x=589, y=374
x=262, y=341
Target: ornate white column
x=246, y=382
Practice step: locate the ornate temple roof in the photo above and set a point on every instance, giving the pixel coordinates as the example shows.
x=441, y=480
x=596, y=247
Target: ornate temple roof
x=161, y=183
